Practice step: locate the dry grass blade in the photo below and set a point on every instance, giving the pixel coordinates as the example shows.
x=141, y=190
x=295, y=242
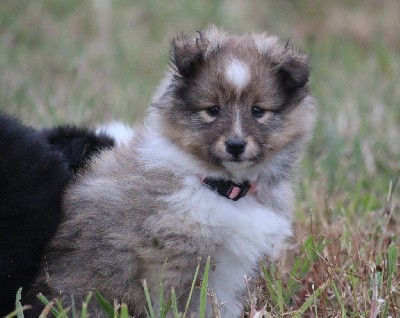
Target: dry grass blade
x=215, y=305
x=47, y=309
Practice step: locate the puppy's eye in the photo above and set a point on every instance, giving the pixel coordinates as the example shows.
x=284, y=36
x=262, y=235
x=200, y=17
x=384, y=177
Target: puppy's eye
x=257, y=112
x=213, y=111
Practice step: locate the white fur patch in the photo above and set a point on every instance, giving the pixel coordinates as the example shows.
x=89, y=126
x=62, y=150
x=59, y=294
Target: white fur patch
x=238, y=74
x=241, y=232
x=171, y=157
x=237, y=125
x=121, y=132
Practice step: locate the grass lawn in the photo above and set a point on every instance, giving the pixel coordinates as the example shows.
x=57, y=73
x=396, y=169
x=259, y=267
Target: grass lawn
x=88, y=62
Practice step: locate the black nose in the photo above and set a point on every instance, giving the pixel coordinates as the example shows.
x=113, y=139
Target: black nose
x=235, y=146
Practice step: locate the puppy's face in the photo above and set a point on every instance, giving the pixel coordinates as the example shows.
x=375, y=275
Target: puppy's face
x=234, y=102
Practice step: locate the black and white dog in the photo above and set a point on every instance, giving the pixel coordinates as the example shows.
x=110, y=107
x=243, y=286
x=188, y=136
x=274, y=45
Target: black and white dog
x=35, y=168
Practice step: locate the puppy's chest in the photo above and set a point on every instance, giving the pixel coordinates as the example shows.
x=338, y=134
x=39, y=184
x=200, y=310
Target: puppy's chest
x=243, y=227
x=234, y=233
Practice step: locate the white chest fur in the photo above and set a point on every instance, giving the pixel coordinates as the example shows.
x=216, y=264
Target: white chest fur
x=239, y=232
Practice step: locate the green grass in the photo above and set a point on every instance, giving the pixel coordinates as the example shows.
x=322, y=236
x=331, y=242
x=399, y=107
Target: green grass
x=167, y=307
x=75, y=61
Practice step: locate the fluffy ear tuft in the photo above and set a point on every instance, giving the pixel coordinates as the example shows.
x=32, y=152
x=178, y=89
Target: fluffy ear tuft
x=187, y=53
x=294, y=71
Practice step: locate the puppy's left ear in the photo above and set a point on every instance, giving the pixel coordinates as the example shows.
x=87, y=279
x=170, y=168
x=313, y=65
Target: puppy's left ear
x=294, y=71
x=187, y=53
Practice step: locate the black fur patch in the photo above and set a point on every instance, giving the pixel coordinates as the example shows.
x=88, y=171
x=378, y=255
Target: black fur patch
x=35, y=168
x=293, y=73
x=187, y=53
x=77, y=144
x=32, y=179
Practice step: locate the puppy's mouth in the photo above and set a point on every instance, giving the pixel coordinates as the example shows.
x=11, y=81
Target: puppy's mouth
x=235, y=165
x=238, y=162
x=236, y=159
x=234, y=162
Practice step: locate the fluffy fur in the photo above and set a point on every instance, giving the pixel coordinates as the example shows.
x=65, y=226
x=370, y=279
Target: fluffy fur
x=120, y=132
x=78, y=144
x=35, y=167
x=231, y=106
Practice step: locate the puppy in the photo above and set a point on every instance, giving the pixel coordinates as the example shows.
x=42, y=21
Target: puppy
x=35, y=167
x=208, y=174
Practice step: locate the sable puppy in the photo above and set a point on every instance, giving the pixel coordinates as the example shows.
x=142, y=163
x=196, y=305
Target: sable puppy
x=209, y=173
x=35, y=167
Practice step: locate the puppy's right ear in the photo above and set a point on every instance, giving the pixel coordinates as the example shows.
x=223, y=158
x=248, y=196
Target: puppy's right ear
x=294, y=71
x=187, y=53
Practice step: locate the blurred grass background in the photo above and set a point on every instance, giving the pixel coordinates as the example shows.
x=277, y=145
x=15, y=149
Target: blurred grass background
x=91, y=61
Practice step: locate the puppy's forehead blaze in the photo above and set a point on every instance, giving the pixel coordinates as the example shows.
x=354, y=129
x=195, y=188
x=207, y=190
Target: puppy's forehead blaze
x=237, y=73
